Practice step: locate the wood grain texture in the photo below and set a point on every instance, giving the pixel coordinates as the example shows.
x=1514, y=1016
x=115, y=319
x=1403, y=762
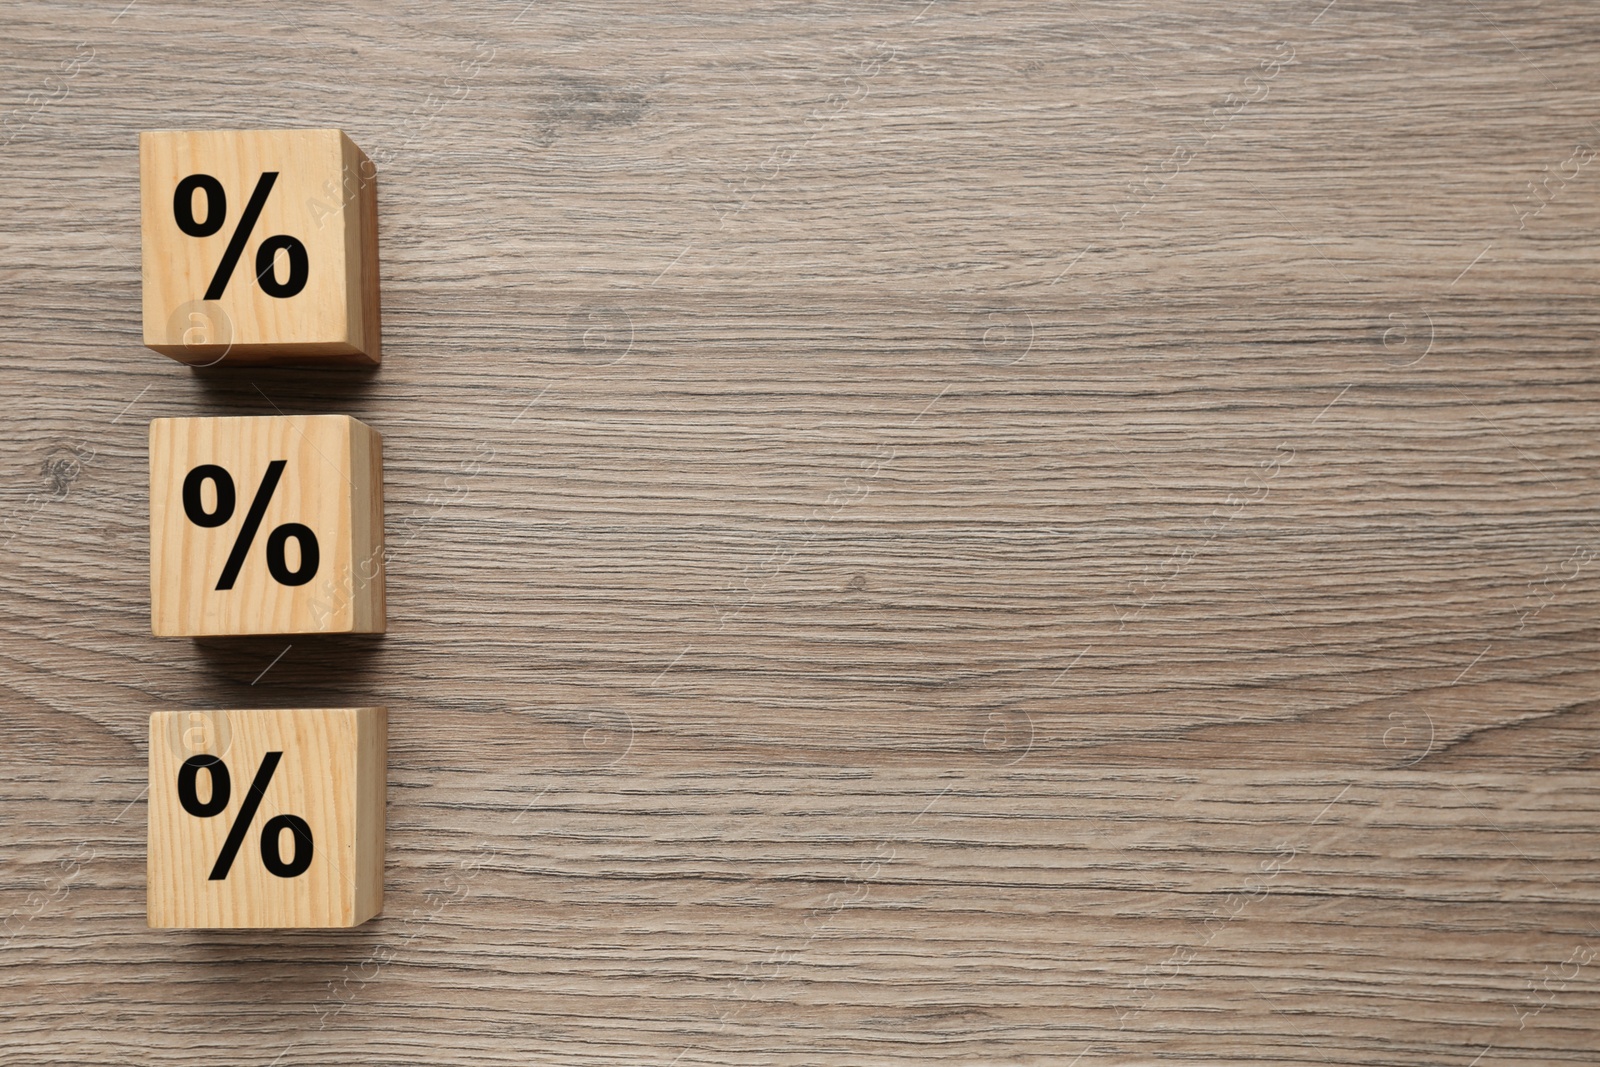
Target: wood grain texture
x=329, y=773
x=322, y=195
x=215, y=578
x=918, y=534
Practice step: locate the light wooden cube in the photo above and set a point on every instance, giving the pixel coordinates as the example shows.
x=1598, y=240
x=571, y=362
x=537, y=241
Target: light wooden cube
x=227, y=558
x=266, y=818
x=210, y=223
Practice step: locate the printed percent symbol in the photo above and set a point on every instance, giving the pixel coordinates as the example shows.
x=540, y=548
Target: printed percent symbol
x=266, y=254
x=221, y=791
x=194, y=507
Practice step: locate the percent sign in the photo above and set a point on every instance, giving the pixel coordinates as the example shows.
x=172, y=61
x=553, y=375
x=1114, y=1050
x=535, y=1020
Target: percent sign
x=221, y=790
x=266, y=254
x=195, y=508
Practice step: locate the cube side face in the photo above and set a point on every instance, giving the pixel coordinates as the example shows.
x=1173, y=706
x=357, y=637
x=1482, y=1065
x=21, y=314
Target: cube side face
x=327, y=758
x=360, y=193
x=247, y=324
x=372, y=802
x=275, y=588
x=368, y=602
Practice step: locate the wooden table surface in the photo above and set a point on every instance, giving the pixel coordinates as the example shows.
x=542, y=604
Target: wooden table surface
x=923, y=533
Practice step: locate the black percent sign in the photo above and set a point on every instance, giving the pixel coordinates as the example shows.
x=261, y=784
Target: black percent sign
x=266, y=254
x=221, y=792
x=194, y=507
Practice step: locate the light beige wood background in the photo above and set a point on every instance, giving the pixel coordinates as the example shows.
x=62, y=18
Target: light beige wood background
x=928, y=533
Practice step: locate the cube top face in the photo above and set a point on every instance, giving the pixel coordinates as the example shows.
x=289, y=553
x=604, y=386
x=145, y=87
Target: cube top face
x=269, y=525
x=259, y=247
x=266, y=818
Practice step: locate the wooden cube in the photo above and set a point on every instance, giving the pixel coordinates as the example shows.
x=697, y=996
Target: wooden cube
x=269, y=525
x=260, y=247
x=266, y=818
